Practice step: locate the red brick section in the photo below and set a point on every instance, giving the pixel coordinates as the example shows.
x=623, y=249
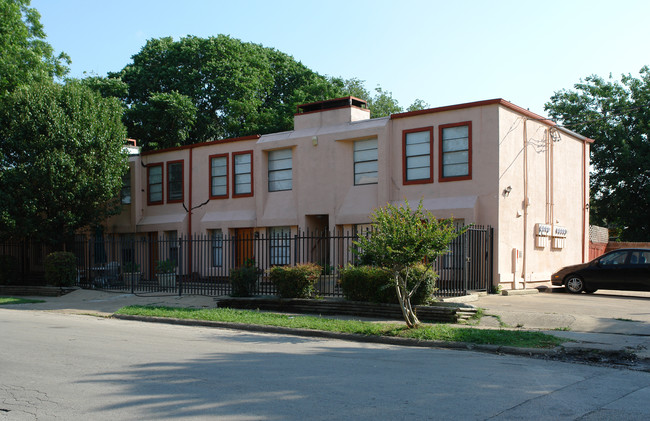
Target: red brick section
x=615, y=246
x=596, y=249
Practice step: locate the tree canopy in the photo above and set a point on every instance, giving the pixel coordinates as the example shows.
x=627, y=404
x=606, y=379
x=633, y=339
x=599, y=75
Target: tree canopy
x=616, y=115
x=200, y=89
x=25, y=57
x=236, y=88
x=61, y=158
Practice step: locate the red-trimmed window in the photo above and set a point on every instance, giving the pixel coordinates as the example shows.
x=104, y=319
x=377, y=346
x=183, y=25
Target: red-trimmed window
x=155, y=184
x=417, y=153
x=242, y=180
x=175, y=188
x=455, y=148
x=219, y=176
x=366, y=162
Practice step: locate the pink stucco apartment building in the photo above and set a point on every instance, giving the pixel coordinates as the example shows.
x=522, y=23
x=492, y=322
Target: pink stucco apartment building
x=487, y=162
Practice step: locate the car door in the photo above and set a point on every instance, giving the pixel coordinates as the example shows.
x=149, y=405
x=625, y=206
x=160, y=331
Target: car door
x=610, y=272
x=639, y=272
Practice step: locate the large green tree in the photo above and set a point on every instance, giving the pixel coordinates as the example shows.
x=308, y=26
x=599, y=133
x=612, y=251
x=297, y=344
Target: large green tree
x=166, y=119
x=237, y=88
x=222, y=87
x=25, y=56
x=61, y=158
x=617, y=116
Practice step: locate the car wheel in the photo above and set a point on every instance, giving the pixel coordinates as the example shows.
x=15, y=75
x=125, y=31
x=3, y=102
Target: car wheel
x=574, y=284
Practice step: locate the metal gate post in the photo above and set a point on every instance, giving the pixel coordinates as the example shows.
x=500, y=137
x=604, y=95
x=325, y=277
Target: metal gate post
x=467, y=258
x=180, y=266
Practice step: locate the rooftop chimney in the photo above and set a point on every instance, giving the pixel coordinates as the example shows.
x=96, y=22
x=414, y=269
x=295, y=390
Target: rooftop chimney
x=330, y=112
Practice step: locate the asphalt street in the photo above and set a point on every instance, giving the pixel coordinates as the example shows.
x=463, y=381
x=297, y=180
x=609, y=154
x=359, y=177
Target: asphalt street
x=57, y=365
x=616, y=322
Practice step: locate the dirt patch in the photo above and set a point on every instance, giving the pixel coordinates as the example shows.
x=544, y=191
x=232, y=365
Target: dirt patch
x=614, y=359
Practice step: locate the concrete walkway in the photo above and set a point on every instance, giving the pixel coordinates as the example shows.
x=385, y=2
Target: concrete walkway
x=610, y=321
x=587, y=327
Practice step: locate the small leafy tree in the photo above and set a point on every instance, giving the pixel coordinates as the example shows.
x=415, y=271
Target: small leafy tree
x=400, y=240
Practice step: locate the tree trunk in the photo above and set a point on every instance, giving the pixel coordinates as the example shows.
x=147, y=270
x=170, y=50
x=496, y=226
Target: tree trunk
x=404, y=299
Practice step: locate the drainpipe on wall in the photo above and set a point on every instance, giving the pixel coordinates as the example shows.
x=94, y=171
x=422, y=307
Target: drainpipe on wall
x=189, y=217
x=526, y=203
x=585, y=204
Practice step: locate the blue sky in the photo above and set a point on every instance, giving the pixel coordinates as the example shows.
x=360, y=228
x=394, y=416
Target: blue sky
x=443, y=52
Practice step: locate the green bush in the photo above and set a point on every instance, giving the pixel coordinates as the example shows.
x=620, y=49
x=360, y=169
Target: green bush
x=165, y=266
x=243, y=279
x=131, y=267
x=374, y=284
x=8, y=269
x=61, y=268
x=296, y=281
x=363, y=283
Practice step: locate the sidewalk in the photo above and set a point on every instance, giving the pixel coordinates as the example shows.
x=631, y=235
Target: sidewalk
x=595, y=335
x=593, y=327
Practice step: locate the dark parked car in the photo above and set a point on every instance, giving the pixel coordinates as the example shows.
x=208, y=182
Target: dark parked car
x=624, y=269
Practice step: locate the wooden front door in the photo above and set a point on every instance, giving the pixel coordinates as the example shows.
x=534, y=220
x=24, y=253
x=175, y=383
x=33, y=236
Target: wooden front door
x=244, y=245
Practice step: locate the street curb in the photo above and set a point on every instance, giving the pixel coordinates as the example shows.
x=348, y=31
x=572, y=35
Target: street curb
x=493, y=349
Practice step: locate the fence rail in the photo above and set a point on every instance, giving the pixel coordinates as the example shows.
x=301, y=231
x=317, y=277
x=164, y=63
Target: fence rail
x=201, y=264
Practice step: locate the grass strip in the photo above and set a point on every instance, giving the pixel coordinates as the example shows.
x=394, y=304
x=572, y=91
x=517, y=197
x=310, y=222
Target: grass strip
x=439, y=332
x=12, y=300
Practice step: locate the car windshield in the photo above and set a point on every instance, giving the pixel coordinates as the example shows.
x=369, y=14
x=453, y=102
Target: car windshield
x=616, y=258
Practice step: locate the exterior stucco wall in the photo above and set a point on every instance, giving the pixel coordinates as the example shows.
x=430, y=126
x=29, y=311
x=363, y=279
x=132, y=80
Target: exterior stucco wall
x=323, y=194
x=479, y=192
x=551, y=175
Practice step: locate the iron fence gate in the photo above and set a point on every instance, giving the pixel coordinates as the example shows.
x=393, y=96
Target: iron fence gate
x=201, y=264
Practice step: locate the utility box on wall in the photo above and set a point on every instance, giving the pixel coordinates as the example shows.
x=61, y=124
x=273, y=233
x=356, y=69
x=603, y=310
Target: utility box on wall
x=559, y=237
x=517, y=256
x=542, y=232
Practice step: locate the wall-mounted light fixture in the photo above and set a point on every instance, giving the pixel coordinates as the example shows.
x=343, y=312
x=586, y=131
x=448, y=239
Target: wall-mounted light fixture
x=506, y=191
x=555, y=134
x=314, y=140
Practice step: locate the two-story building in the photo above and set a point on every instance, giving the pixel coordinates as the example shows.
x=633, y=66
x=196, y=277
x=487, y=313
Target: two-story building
x=488, y=163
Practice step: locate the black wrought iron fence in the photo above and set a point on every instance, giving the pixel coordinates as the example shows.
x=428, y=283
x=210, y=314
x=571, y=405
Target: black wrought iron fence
x=201, y=264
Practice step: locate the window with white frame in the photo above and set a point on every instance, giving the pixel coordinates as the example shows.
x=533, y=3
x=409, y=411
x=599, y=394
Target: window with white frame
x=358, y=231
x=218, y=176
x=216, y=244
x=417, y=149
x=362, y=229
x=365, y=162
x=243, y=174
x=279, y=245
x=455, y=151
x=155, y=183
x=280, y=171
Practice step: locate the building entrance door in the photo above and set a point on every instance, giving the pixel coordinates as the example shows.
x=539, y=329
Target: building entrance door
x=244, y=245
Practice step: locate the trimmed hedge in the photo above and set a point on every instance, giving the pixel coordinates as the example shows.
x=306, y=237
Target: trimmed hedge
x=376, y=285
x=61, y=269
x=244, y=279
x=295, y=281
